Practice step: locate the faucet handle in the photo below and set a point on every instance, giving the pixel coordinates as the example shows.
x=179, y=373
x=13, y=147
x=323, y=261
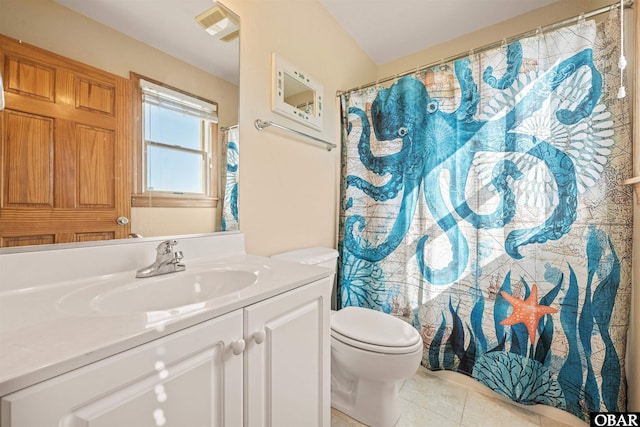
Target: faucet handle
x=166, y=247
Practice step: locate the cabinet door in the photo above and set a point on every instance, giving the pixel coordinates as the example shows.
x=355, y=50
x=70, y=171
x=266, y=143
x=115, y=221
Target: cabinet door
x=287, y=377
x=189, y=378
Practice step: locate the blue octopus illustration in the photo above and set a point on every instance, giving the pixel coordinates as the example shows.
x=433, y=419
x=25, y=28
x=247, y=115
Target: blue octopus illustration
x=501, y=150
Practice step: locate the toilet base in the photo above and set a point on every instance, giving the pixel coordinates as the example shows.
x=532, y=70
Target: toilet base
x=373, y=403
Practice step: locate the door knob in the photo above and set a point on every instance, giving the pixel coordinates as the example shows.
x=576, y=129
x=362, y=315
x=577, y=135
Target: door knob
x=122, y=220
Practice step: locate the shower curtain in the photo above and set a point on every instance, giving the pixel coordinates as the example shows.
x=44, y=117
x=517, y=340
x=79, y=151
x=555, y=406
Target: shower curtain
x=481, y=201
x=230, y=179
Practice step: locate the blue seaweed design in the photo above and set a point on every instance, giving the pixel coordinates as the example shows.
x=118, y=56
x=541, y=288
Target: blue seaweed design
x=501, y=306
x=570, y=375
x=585, y=322
x=604, y=298
x=519, y=378
x=477, y=313
x=521, y=371
x=545, y=329
x=434, y=348
x=362, y=282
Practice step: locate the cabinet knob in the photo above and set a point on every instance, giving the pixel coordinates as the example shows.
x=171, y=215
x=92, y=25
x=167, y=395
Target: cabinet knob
x=237, y=347
x=259, y=336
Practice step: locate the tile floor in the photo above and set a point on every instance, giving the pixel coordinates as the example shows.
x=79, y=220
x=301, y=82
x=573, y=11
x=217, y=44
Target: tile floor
x=447, y=399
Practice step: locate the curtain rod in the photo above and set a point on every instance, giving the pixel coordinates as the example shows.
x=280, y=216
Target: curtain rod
x=507, y=40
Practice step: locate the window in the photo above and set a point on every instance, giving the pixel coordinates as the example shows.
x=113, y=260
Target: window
x=176, y=147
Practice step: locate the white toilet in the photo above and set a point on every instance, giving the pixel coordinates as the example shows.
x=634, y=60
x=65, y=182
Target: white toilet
x=372, y=353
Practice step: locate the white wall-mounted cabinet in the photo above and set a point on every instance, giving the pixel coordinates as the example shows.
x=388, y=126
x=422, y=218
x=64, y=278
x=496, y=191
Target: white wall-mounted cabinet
x=265, y=364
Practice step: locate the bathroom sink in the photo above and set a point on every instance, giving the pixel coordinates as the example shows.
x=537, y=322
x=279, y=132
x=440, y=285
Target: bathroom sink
x=172, y=294
x=173, y=290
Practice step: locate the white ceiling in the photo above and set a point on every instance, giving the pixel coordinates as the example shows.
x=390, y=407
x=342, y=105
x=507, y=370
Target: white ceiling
x=385, y=29
x=391, y=29
x=168, y=25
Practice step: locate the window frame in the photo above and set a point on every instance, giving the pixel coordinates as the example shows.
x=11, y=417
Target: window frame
x=141, y=197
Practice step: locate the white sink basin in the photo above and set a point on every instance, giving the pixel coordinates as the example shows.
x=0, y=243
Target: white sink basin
x=173, y=293
x=173, y=290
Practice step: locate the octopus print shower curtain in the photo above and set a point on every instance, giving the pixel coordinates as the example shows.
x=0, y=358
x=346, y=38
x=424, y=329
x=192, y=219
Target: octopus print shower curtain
x=230, y=201
x=482, y=202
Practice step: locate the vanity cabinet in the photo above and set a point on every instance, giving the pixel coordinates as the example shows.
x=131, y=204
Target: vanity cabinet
x=264, y=364
x=189, y=378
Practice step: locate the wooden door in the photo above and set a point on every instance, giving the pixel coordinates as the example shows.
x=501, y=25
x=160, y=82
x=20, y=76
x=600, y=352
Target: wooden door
x=65, y=153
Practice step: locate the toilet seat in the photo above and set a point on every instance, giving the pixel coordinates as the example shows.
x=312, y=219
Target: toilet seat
x=373, y=348
x=374, y=331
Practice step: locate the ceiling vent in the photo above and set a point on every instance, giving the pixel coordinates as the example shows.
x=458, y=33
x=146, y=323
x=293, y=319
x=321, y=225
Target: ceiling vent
x=220, y=22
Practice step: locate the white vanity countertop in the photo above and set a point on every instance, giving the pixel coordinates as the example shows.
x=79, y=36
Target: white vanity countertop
x=39, y=339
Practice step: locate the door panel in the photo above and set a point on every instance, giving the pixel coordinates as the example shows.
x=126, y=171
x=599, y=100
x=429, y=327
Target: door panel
x=30, y=240
x=30, y=78
x=95, y=167
x=28, y=155
x=94, y=97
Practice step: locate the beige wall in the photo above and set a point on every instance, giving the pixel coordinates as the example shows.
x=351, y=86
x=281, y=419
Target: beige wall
x=149, y=222
x=288, y=184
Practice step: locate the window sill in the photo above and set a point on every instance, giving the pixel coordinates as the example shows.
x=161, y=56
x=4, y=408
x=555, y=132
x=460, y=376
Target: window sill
x=172, y=201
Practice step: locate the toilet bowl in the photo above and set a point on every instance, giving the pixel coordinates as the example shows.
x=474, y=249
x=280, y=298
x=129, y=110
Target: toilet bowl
x=372, y=353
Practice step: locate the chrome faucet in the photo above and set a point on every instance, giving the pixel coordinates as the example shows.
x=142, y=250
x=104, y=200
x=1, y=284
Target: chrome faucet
x=167, y=261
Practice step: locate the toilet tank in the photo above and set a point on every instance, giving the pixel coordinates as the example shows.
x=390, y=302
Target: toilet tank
x=317, y=255
x=323, y=257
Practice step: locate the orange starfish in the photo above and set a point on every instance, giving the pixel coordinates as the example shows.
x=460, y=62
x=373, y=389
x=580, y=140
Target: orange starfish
x=528, y=311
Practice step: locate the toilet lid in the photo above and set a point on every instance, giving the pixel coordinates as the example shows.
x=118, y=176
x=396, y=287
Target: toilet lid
x=373, y=327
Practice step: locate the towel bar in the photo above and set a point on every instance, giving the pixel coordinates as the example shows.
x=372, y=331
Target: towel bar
x=260, y=125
